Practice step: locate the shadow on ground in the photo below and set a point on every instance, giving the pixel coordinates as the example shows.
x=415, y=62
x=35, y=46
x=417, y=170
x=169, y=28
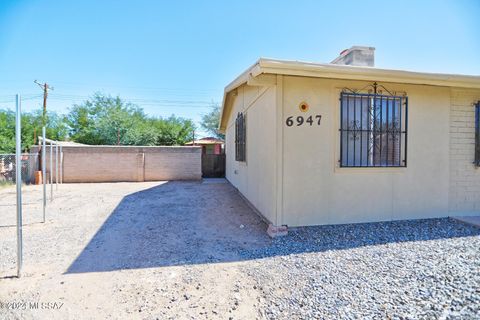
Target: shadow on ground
x=180, y=223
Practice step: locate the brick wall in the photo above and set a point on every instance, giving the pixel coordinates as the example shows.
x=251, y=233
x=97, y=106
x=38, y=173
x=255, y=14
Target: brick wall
x=115, y=164
x=464, y=175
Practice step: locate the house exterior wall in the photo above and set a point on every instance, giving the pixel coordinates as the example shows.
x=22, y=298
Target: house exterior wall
x=464, y=175
x=292, y=174
x=318, y=191
x=255, y=178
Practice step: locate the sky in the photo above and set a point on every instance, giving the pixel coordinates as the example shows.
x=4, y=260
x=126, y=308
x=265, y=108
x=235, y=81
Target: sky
x=176, y=57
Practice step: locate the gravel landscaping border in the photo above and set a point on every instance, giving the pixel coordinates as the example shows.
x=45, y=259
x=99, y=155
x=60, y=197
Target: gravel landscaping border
x=417, y=269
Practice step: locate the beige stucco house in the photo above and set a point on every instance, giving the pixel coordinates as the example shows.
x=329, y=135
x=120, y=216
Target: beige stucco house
x=345, y=142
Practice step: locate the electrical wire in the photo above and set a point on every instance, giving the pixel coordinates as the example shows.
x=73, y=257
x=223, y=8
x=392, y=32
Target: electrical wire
x=72, y=98
x=76, y=84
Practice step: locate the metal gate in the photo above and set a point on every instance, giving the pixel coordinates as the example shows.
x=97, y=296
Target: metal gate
x=213, y=165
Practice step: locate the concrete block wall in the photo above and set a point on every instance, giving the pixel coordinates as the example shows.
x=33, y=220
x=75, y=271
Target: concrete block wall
x=173, y=165
x=37, y=150
x=128, y=164
x=464, y=175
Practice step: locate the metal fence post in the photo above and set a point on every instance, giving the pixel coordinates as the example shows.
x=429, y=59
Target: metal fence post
x=18, y=168
x=61, y=164
x=56, y=165
x=44, y=171
x=51, y=171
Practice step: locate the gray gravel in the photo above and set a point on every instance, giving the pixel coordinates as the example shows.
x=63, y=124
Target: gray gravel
x=424, y=269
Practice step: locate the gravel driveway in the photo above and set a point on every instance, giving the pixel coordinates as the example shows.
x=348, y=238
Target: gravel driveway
x=191, y=250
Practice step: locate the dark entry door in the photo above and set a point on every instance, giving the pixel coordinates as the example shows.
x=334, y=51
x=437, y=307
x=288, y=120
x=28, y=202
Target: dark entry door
x=213, y=165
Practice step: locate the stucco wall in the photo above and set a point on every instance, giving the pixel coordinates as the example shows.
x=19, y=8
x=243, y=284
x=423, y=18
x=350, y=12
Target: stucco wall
x=255, y=178
x=318, y=191
x=114, y=164
x=464, y=175
x=292, y=174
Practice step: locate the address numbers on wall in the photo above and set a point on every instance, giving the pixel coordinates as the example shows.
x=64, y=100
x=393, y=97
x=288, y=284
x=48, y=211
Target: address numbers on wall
x=303, y=120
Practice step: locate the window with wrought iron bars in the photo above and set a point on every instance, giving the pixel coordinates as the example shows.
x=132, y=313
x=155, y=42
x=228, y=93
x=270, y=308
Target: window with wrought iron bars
x=240, y=138
x=477, y=134
x=373, y=130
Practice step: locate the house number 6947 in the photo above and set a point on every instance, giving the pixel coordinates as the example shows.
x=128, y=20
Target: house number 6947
x=301, y=120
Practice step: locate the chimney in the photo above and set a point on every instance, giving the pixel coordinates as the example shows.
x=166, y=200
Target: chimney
x=356, y=56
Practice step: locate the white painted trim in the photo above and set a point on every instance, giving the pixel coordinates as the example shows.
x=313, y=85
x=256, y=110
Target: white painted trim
x=279, y=152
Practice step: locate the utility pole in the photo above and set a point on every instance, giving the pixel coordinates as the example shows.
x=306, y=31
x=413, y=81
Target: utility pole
x=45, y=87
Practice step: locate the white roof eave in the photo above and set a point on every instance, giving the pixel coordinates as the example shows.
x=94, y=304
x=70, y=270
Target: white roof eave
x=333, y=71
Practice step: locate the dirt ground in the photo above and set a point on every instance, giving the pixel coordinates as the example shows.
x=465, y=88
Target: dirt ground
x=195, y=250
x=130, y=250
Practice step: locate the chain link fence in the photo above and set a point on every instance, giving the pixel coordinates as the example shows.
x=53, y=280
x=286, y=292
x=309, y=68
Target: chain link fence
x=32, y=199
x=29, y=164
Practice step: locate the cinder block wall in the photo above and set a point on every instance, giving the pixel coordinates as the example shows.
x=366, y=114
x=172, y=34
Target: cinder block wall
x=176, y=164
x=464, y=175
x=37, y=150
x=121, y=163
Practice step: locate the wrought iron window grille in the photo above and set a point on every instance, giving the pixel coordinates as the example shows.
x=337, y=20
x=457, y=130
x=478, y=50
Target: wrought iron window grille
x=240, y=138
x=477, y=134
x=373, y=127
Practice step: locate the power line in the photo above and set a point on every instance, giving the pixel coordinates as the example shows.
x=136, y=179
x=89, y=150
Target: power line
x=112, y=85
x=77, y=96
x=139, y=100
x=142, y=101
x=161, y=103
x=32, y=98
x=11, y=98
x=135, y=87
x=171, y=106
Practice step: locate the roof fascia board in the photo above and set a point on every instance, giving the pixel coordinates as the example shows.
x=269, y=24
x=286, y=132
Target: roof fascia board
x=317, y=70
x=262, y=80
x=253, y=71
x=366, y=73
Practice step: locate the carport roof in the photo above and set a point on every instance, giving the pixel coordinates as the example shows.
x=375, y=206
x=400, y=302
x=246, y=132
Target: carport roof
x=333, y=71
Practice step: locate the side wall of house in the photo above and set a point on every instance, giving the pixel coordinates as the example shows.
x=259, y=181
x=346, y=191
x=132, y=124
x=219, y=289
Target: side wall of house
x=317, y=191
x=464, y=175
x=255, y=178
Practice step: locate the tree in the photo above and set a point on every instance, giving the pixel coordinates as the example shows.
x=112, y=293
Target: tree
x=211, y=121
x=31, y=129
x=100, y=120
x=7, y=131
x=173, y=130
x=110, y=121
